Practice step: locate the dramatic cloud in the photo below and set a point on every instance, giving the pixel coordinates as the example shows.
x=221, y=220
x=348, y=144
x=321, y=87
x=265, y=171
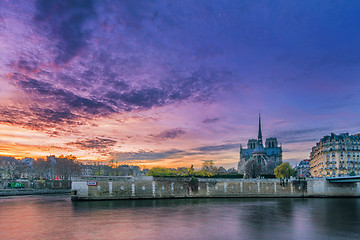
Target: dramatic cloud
x=42, y=119
x=301, y=135
x=43, y=91
x=169, y=134
x=67, y=21
x=97, y=144
x=173, y=153
x=190, y=76
x=146, y=155
x=218, y=148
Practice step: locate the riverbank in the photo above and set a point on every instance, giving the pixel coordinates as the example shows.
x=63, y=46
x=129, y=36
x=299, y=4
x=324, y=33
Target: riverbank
x=107, y=188
x=16, y=192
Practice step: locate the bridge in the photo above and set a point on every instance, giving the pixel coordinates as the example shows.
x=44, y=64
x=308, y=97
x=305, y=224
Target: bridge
x=344, y=179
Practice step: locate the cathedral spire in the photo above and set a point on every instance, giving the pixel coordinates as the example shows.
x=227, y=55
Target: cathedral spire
x=260, y=142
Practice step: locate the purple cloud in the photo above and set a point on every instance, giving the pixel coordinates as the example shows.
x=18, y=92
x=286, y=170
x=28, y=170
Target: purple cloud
x=66, y=20
x=98, y=144
x=169, y=134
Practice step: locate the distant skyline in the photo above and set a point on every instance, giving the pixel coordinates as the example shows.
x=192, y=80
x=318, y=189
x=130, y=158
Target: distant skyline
x=173, y=83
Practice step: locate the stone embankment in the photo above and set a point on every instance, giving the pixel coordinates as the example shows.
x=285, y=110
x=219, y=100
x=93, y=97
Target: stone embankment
x=104, y=188
x=16, y=192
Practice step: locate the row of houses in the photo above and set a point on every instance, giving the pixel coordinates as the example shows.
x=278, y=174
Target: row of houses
x=336, y=155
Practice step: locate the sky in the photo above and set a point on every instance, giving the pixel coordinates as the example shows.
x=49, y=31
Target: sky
x=173, y=83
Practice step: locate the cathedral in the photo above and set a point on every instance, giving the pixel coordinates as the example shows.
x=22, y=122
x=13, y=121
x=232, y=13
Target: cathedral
x=269, y=157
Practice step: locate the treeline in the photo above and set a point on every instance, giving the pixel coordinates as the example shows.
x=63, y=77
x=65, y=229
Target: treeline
x=62, y=167
x=110, y=170
x=208, y=170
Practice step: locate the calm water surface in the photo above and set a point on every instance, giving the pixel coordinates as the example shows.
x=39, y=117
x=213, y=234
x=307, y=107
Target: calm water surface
x=56, y=217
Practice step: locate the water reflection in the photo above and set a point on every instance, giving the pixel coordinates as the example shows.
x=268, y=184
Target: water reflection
x=38, y=217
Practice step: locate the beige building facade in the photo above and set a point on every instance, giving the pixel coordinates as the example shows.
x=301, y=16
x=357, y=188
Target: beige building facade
x=336, y=155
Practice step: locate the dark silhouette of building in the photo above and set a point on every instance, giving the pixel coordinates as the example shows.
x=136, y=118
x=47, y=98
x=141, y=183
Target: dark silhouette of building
x=268, y=157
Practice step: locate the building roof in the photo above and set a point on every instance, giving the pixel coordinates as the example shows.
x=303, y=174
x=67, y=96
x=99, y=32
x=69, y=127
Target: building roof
x=342, y=136
x=269, y=151
x=259, y=132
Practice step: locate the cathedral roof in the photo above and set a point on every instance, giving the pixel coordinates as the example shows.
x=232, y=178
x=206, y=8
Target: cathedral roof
x=269, y=151
x=259, y=149
x=259, y=132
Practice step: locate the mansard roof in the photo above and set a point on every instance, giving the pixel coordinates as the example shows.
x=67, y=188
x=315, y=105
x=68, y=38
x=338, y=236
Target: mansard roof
x=342, y=136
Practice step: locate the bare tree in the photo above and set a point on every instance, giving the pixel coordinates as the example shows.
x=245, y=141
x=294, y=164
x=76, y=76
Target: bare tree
x=269, y=168
x=209, y=166
x=66, y=167
x=253, y=169
x=42, y=168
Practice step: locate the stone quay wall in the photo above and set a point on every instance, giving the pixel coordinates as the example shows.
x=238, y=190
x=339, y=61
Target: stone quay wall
x=107, y=188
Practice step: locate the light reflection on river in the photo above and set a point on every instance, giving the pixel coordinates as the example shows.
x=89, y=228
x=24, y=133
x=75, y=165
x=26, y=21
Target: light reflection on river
x=56, y=217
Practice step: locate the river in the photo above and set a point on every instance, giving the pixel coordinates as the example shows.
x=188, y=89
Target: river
x=56, y=217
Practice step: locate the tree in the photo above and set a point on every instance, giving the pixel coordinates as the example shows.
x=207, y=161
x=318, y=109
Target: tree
x=162, y=172
x=269, y=168
x=253, y=169
x=20, y=169
x=66, y=167
x=209, y=166
x=284, y=170
x=42, y=168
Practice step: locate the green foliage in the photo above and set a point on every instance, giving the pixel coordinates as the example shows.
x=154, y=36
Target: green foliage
x=188, y=172
x=182, y=172
x=284, y=171
x=194, y=180
x=163, y=172
x=204, y=173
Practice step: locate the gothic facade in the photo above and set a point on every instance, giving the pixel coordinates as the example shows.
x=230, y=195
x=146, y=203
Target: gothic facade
x=269, y=157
